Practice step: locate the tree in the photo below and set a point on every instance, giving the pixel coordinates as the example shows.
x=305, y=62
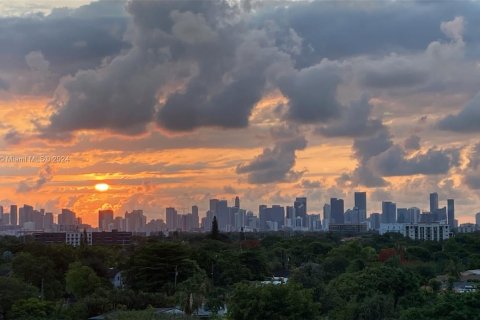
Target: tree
x=159, y=265
x=11, y=290
x=280, y=302
x=81, y=280
x=32, y=309
x=40, y=272
x=191, y=293
x=215, y=233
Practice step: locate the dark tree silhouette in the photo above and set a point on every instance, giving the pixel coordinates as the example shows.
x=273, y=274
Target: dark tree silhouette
x=215, y=233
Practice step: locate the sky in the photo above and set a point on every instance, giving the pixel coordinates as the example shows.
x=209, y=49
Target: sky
x=175, y=102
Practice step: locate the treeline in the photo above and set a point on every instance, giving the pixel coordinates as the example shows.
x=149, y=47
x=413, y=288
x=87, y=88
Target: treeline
x=367, y=277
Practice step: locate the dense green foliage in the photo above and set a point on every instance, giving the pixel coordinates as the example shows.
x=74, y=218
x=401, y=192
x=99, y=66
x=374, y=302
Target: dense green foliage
x=369, y=277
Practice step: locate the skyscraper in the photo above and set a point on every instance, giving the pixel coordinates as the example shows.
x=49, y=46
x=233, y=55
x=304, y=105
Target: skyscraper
x=25, y=214
x=13, y=215
x=414, y=214
x=433, y=202
x=48, y=221
x=105, y=218
x=223, y=215
x=213, y=206
x=195, y=219
x=403, y=216
x=361, y=204
x=172, y=218
x=262, y=215
x=67, y=218
x=135, y=221
x=237, y=202
x=336, y=211
x=300, y=206
x=375, y=219
x=389, y=212
x=451, y=213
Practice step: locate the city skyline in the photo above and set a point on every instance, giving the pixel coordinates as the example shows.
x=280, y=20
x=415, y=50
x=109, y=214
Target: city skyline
x=173, y=103
x=338, y=210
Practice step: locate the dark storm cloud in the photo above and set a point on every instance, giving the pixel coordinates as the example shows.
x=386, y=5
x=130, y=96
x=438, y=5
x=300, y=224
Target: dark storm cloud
x=471, y=175
x=368, y=147
x=312, y=92
x=338, y=30
x=365, y=148
x=378, y=157
x=208, y=100
x=466, y=121
x=355, y=121
x=412, y=142
x=69, y=39
x=276, y=164
x=193, y=64
x=394, y=162
x=393, y=72
x=221, y=69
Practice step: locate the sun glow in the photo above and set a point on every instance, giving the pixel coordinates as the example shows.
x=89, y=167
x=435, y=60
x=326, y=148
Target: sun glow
x=102, y=187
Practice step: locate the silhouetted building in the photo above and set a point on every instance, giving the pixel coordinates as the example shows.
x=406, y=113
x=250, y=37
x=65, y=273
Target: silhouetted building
x=135, y=221
x=375, y=220
x=172, y=218
x=272, y=218
x=361, y=204
x=336, y=211
x=389, y=212
x=237, y=202
x=13, y=215
x=223, y=215
x=105, y=220
x=300, y=205
x=433, y=202
x=195, y=219
x=403, y=216
x=414, y=214
x=25, y=214
x=48, y=221
x=327, y=216
x=67, y=218
x=451, y=213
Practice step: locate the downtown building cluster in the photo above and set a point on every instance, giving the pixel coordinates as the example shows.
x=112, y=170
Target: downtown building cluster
x=435, y=224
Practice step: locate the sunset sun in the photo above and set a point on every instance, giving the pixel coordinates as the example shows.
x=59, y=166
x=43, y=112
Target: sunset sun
x=101, y=187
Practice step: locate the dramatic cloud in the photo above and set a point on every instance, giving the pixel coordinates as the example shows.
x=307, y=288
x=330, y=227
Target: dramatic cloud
x=379, y=157
x=276, y=164
x=395, y=162
x=472, y=173
x=183, y=94
x=355, y=121
x=45, y=174
x=219, y=68
x=412, y=142
x=467, y=120
x=65, y=41
x=312, y=92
